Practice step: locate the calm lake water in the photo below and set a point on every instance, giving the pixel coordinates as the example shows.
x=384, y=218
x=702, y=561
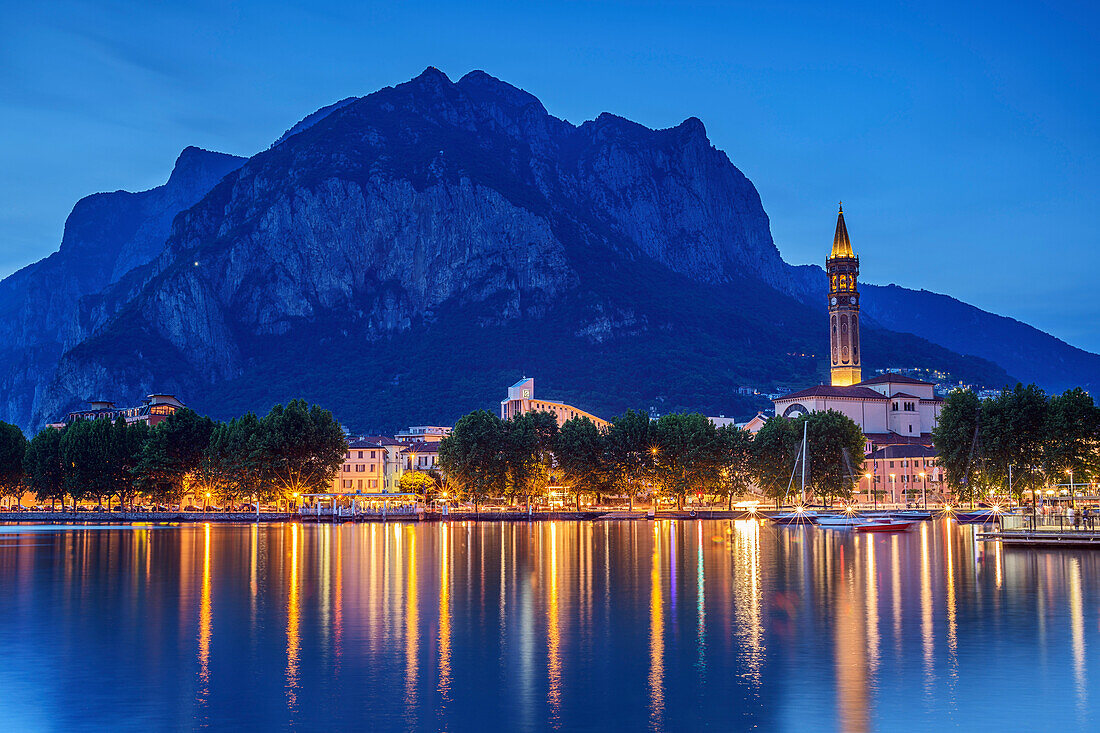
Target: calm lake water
x=570, y=626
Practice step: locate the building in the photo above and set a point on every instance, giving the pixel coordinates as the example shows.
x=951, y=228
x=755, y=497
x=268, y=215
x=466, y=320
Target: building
x=421, y=456
x=754, y=423
x=154, y=409
x=902, y=474
x=393, y=461
x=363, y=469
x=842, y=267
x=890, y=408
x=521, y=400
x=423, y=433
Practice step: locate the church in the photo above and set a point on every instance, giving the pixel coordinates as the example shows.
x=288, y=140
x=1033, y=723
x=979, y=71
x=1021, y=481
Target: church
x=891, y=409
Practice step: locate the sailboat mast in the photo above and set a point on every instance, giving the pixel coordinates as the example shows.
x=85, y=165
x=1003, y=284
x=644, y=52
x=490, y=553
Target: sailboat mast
x=805, y=454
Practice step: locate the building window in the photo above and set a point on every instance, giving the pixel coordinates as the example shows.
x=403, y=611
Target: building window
x=360, y=483
x=360, y=454
x=347, y=483
x=347, y=468
x=359, y=467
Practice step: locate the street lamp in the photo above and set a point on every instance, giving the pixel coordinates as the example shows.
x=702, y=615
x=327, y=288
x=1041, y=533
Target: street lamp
x=870, y=485
x=894, y=487
x=923, y=490
x=205, y=501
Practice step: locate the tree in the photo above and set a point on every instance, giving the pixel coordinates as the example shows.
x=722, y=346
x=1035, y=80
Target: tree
x=689, y=456
x=424, y=483
x=124, y=447
x=1013, y=436
x=954, y=440
x=13, y=449
x=232, y=466
x=473, y=456
x=42, y=465
x=631, y=450
x=1072, y=430
x=528, y=446
x=86, y=456
x=171, y=454
x=773, y=456
x=301, y=448
x=736, y=462
x=581, y=452
x=836, y=446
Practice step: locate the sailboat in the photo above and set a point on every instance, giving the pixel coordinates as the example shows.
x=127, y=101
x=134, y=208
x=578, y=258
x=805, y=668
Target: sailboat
x=800, y=515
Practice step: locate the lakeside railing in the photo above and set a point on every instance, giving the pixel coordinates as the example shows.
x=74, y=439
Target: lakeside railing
x=1084, y=521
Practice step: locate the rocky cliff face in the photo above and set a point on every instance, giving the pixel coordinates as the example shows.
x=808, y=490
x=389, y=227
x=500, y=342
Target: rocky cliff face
x=106, y=236
x=436, y=234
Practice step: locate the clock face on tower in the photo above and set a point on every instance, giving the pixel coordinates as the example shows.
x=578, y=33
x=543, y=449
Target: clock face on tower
x=833, y=301
x=852, y=300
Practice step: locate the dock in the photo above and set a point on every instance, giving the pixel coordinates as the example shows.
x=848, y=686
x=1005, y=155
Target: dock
x=1031, y=530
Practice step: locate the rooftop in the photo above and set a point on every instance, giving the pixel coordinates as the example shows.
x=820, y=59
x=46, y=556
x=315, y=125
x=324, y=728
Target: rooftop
x=903, y=451
x=854, y=392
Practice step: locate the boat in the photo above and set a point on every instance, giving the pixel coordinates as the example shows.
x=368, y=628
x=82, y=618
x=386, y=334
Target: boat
x=915, y=514
x=798, y=516
x=841, y=520
x=984, y=516
x=885, y=525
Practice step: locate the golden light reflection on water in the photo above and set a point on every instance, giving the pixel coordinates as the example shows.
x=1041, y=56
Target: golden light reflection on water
x=1077, y=633
x=756, y=607
x=553, y=631
x=871, y=599
x=412, y=617
x=205, y=619
x=293, y=622
x=444, y=612
x=749, y=597
x=850, y=638
x=926, y=609
x=656, y=635
x=952, y=620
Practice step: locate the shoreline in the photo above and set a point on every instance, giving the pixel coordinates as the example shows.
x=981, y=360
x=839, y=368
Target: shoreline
x=269, y=517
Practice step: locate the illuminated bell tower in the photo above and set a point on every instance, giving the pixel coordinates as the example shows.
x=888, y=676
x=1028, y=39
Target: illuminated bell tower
x=843, y=267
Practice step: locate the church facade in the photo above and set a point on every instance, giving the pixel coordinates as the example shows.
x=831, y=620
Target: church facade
x=891, y=409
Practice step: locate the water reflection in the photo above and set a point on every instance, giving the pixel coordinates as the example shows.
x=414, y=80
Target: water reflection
x=607, y=625
x=293, y=619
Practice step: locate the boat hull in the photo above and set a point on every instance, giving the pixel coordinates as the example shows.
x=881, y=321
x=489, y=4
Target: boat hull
x=884, y=526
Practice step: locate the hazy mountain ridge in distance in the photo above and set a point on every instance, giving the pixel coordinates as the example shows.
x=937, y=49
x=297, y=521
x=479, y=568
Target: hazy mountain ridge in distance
x=403, y=257
x=105, y=236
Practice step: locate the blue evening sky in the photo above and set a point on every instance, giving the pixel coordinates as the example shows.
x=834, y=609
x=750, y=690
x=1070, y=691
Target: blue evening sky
x=962, y=137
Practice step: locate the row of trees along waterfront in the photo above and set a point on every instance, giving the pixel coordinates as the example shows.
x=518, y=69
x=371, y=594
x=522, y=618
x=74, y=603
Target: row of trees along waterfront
x=636, y=457
x=295, y=449
x=1017, y=443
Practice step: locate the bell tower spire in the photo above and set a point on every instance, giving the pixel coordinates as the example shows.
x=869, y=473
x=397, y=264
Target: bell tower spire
x=842, y=266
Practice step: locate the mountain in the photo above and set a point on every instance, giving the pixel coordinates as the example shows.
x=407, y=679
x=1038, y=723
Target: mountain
x=105, y=236
x=404, y=256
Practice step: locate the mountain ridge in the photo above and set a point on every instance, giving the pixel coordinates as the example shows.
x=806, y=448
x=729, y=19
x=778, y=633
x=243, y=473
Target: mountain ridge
x=392, y=213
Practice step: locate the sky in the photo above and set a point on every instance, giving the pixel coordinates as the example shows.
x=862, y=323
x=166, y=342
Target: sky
x=963, y=138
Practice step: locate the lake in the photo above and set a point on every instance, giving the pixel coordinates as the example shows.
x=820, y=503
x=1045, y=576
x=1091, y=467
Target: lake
x=615, y=625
